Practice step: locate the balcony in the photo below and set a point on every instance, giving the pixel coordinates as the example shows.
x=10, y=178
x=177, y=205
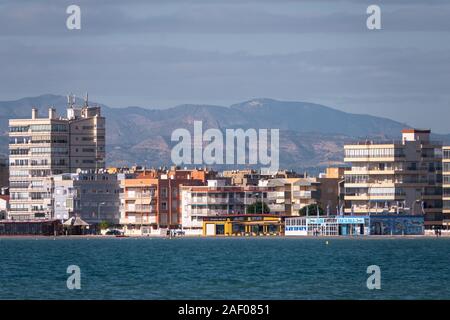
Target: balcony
x=217, y=201
x=199, y=212
x=365, y=210
x=276, y=207
x=303, y=194
x=275, y=195
x=381, y=196
x=140, y=208
x=139, y=220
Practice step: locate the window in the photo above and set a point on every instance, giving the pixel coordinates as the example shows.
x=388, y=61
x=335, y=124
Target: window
x=446, y=178
x=19, y=128
x=357, y=178
x=446, y=154
x=446, y=166
x=48, y=127
x=19, y=140
x=375, y=153
x=446, y=204
x=19, y=151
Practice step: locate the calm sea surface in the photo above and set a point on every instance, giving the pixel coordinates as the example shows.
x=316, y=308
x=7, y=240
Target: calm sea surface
x=231, y=268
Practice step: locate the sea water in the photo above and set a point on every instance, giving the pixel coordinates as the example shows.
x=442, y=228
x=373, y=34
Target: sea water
x=224, y=268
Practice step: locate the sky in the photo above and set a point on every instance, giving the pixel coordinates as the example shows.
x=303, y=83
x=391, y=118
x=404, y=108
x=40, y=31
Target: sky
x=162, y=53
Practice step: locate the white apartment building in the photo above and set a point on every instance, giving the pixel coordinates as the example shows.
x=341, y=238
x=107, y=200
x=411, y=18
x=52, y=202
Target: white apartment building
x=43, y=146
x=92, y=196
x=396, y=176
x=446, y=183
x=215, y=199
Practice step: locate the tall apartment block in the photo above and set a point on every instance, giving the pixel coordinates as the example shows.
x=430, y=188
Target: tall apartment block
x=396, y=176
x=44, y=146
x=151, y=200
x=446, y=183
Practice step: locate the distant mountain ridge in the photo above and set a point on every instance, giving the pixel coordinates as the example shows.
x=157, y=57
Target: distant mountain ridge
x=311, y=135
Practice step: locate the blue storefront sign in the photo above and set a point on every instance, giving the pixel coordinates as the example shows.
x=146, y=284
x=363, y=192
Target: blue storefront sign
x=350, y=220
x=297, y=228
x=316, y=220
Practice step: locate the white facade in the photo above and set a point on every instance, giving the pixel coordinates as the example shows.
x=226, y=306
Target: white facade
x=43, y=146
x=396, y=176
x=215, y=199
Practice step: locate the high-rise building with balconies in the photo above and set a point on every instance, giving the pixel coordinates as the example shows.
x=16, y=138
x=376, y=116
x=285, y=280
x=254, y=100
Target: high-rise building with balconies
x=43, y=146
x=396, y=176
x=446, y=183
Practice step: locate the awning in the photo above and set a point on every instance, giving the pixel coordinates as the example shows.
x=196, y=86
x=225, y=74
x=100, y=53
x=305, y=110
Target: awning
x=75, y=222
x=257, y=222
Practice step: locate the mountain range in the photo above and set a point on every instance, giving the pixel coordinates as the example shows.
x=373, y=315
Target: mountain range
x=311, y=135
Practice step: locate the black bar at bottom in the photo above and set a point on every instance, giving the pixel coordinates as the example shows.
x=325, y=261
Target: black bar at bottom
x=225, y=309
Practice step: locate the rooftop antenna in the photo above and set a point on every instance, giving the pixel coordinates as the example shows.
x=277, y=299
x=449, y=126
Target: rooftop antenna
x=86, y=99
x=70, y=100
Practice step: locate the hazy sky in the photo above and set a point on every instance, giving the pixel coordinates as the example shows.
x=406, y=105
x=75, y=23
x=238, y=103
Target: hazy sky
x=162, y=53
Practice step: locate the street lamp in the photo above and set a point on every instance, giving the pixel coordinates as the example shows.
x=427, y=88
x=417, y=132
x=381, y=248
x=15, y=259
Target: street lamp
x=98, y=210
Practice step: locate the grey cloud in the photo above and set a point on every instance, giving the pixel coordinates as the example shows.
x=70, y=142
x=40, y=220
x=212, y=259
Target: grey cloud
x=115, y=58
x=187, y=72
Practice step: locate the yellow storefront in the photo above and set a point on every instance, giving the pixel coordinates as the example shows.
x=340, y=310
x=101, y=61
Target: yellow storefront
x=243, y=225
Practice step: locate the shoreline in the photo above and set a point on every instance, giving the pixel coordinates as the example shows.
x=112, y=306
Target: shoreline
x=106, y=237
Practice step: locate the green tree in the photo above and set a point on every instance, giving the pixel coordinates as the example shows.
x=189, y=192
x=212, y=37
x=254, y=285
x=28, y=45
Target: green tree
x=258, y=207
x=104, y=225
x=312, y=210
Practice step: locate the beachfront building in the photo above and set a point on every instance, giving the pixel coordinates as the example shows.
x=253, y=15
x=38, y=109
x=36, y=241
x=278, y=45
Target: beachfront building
x=138, y=208
x=92, y=196
x=151, y=200
x=287, y=196
x=243, y=225
x=4, y=205
x=375, y=224
x=43, y=146
x=326, y=226
x=446, y=185
x=215, y=199
x=402, y=177
x=332, y=190
x=37, y=227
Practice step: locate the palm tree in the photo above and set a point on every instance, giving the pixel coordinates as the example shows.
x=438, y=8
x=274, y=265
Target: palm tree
x=312, y=210
x=258, y=207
